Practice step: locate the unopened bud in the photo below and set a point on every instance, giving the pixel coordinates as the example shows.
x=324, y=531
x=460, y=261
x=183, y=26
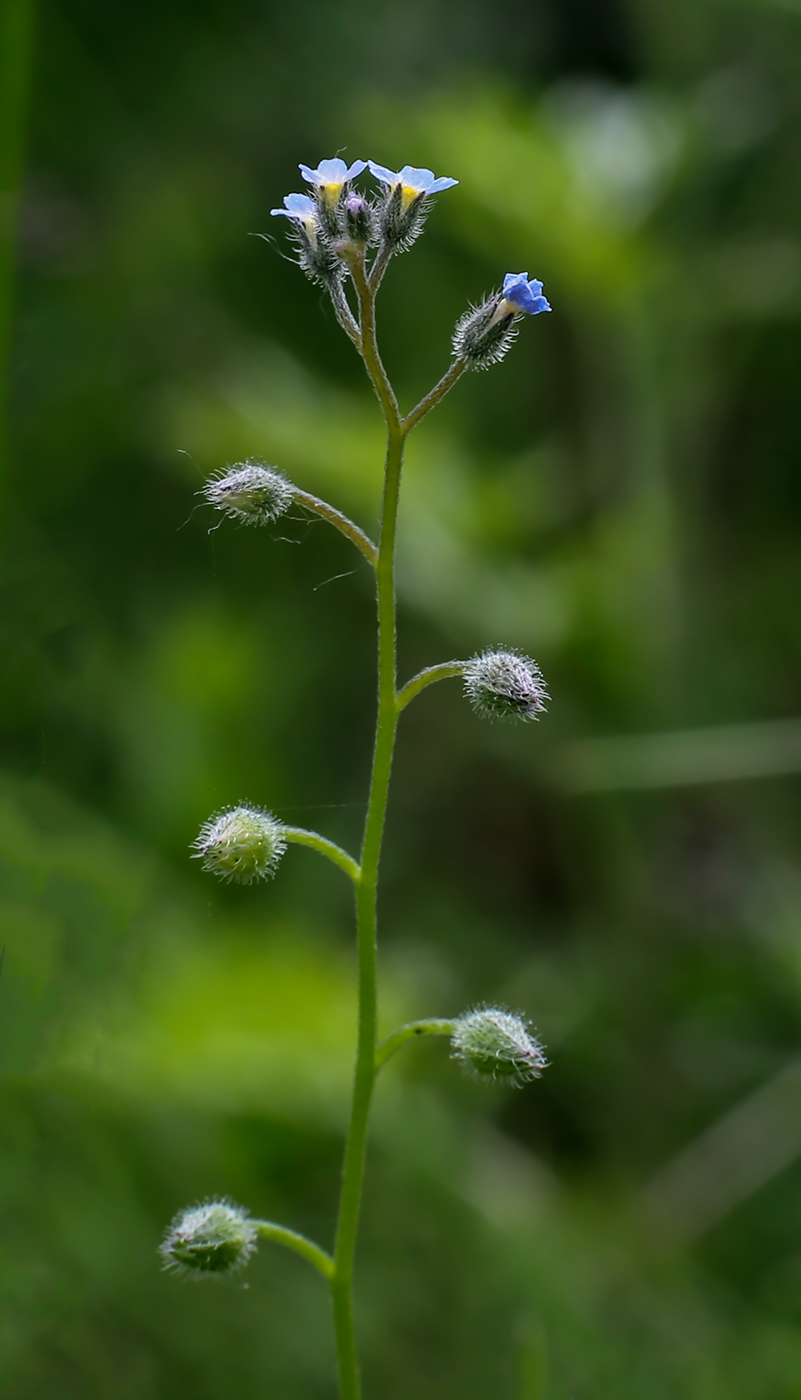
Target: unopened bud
x=359, y=222
x=505, y=685
x=250, y=491
x=213, y=1238
x=485, y=333
x=241, y=844
x=496, y=1044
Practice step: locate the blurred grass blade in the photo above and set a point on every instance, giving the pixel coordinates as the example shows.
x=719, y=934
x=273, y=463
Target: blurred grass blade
x=728, y=753
x=732, y=1159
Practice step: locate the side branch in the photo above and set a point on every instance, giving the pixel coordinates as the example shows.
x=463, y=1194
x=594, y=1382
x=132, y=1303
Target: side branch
x=342, y=523
x=292, y=1240
x=335, y=853
x=432, y=398
x=343, y=313
x=410, y=1031
x=443, y=672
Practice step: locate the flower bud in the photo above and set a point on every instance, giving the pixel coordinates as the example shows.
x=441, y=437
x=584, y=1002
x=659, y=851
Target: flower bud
x=358, y=220
x=484, y=334
x=250, y=491
x=505, y=685
x=213, y=1238
x=241, y=844
x=495, y=1044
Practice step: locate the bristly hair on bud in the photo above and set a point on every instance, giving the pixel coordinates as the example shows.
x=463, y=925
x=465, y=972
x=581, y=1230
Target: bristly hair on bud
x=482, y=337
x=505, y=684
x=241, y=844
x=359, y=222
x=215, y=1238
x=251, y=492
x=494, y=1044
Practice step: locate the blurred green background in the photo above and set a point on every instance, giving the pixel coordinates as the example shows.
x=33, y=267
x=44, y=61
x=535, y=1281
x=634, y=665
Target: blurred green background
x=621, y=499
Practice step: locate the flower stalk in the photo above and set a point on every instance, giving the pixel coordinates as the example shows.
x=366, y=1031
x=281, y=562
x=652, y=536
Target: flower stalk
x=336, y=233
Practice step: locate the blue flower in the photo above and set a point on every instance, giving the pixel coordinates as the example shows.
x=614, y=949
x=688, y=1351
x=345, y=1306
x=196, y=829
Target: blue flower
x=331, y=175
x=521, y=295
x=413, y=182
x=300, y=208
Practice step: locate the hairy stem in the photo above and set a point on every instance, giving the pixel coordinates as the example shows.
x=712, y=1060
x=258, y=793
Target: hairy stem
x=370, y=355
x=340, y=521
x=292, y=1240
x=435, y=395
x=301, y=837
x=443, y=672
x=410, y=1031
x=344, y=314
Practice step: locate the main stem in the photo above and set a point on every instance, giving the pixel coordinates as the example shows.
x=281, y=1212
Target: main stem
x=386, y=724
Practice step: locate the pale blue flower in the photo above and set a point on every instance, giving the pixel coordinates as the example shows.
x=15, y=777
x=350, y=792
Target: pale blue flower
x=413, y=182
x=300, y=208
x=331, y=175
x=521, y=295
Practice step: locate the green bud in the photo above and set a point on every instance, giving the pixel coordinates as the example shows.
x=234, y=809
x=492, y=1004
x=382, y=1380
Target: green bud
x=505, y=685
x=496, y=1044
x=241, y=844
x=213, y=1238
x=250, y=492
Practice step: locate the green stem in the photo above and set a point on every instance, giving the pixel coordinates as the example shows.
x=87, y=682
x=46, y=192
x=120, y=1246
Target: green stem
x=386, y=724
x=299, y=1243
x=16, y=45
x=301, y=837
x=366, y=895
x=340, y=521
x=399, y=1037
x=443, y=672
x=438, y=392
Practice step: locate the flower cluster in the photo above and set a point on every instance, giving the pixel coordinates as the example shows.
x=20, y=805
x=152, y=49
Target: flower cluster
x=333, y=218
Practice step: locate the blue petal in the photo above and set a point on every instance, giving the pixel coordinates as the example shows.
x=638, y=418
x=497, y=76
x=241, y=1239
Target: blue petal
x=524, y=295
x=308, y=174
x=356, y=169
x=416, y=179
x=443, y=183
x=332, y=172
x=298, y=206
x=387, y=177
x=513, y=280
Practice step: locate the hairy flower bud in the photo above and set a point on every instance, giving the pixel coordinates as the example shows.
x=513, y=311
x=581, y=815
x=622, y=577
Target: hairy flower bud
x=241, y=844
x=213, y=1238
x=496, y=1044
x=484, y=334
x=250, y=491
x=358, y=220
x=505, y=684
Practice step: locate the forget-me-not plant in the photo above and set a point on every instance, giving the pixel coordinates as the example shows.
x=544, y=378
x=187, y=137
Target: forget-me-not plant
x=344, y=241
